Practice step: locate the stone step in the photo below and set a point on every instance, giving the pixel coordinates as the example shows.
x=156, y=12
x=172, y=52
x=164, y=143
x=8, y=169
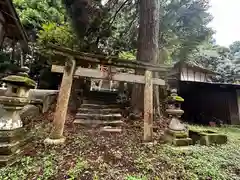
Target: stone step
x=111, y=129
x=98, y=122
x=94, y=94
x=104, y=92
x=105, y=98
x=99, y=111
x=110, y=96
x=91, y=116
x=9, y=148
x=100, y=102
x=99, y=106
x=8, y=160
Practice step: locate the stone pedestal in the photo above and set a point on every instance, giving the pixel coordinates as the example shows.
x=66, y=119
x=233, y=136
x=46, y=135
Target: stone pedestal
x=177, y=133
x=12, y=143
x=13, y=136
x=177, y=138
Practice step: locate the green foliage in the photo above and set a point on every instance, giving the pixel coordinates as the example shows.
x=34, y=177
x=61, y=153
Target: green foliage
x=127, y=55
x=235, y=47
x=144, y=164
x=113, y=26
x=215, y=58
x=49, y=167
x=56, y=34
x=184, y=26
x=135, y=178
x=75, y=171
x=112, y=29
x=29, y=165
x=35, y=13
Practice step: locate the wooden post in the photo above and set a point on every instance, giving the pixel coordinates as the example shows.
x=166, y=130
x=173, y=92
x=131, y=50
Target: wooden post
x=56, y=136
x=121, y=87
x=148, y=107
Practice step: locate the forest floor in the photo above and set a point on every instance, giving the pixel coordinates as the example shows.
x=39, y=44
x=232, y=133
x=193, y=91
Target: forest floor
x=93, y=155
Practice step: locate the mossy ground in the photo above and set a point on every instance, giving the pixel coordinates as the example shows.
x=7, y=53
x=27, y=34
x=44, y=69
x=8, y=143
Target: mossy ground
x=91, y=155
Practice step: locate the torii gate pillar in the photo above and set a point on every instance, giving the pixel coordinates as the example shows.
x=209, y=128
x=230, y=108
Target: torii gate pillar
x=56, y=136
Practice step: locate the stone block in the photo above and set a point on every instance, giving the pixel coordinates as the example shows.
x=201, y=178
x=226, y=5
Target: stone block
x=10, y=159
x=207, y=137
x=213, y=139
x=177, y=134
x=12, y=143
x=8, y=136
x=171, y=137
x=111, y=129
x=182, y=142
x=106, y=117
x=28, y=113
x=9, y=148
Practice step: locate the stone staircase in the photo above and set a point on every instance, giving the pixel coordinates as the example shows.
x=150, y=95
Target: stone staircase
x=100, y=109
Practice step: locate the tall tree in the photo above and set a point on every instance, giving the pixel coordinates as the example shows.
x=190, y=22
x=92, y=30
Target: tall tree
x=235, y=47
x=216, y=58
x=147, y=43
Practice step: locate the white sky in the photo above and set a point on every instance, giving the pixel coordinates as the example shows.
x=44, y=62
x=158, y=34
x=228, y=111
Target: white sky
x=226, y=20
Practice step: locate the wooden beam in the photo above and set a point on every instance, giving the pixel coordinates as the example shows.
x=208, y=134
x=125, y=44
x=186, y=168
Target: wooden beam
x=97, y=74
x=15, y=17
x=108, y=60
x=120, y=64
x=148, y=107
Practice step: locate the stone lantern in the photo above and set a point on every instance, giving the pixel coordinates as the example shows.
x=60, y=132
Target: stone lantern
x=12, y=133
x=177, y=133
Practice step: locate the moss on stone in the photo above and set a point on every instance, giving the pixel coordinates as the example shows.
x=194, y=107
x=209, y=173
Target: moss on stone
x=178, y=98
x=213, y=139
x=177, y=134
x=175, y=99
x=207, y=137
x=19, y=80
x=177, y=138
x=182, y=142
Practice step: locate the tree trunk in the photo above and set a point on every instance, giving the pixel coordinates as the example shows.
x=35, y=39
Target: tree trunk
x=162, y=57
x=147, y=44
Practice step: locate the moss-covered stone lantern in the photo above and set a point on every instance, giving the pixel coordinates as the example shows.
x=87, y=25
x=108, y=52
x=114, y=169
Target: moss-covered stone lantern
x=12, y=133
x=177, y=132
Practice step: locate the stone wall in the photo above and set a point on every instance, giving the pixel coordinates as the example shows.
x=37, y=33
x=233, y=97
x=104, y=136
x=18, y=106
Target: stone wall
x=43, y=97
x=48, y=97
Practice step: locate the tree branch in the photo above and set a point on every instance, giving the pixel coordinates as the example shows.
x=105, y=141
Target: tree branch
x=119, y=9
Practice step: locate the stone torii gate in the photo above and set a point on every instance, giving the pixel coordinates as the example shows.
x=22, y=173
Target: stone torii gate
x=72, y=68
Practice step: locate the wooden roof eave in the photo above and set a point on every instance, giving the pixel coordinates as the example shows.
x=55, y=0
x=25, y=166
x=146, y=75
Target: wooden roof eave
x=198, y=68
x=18, y=23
